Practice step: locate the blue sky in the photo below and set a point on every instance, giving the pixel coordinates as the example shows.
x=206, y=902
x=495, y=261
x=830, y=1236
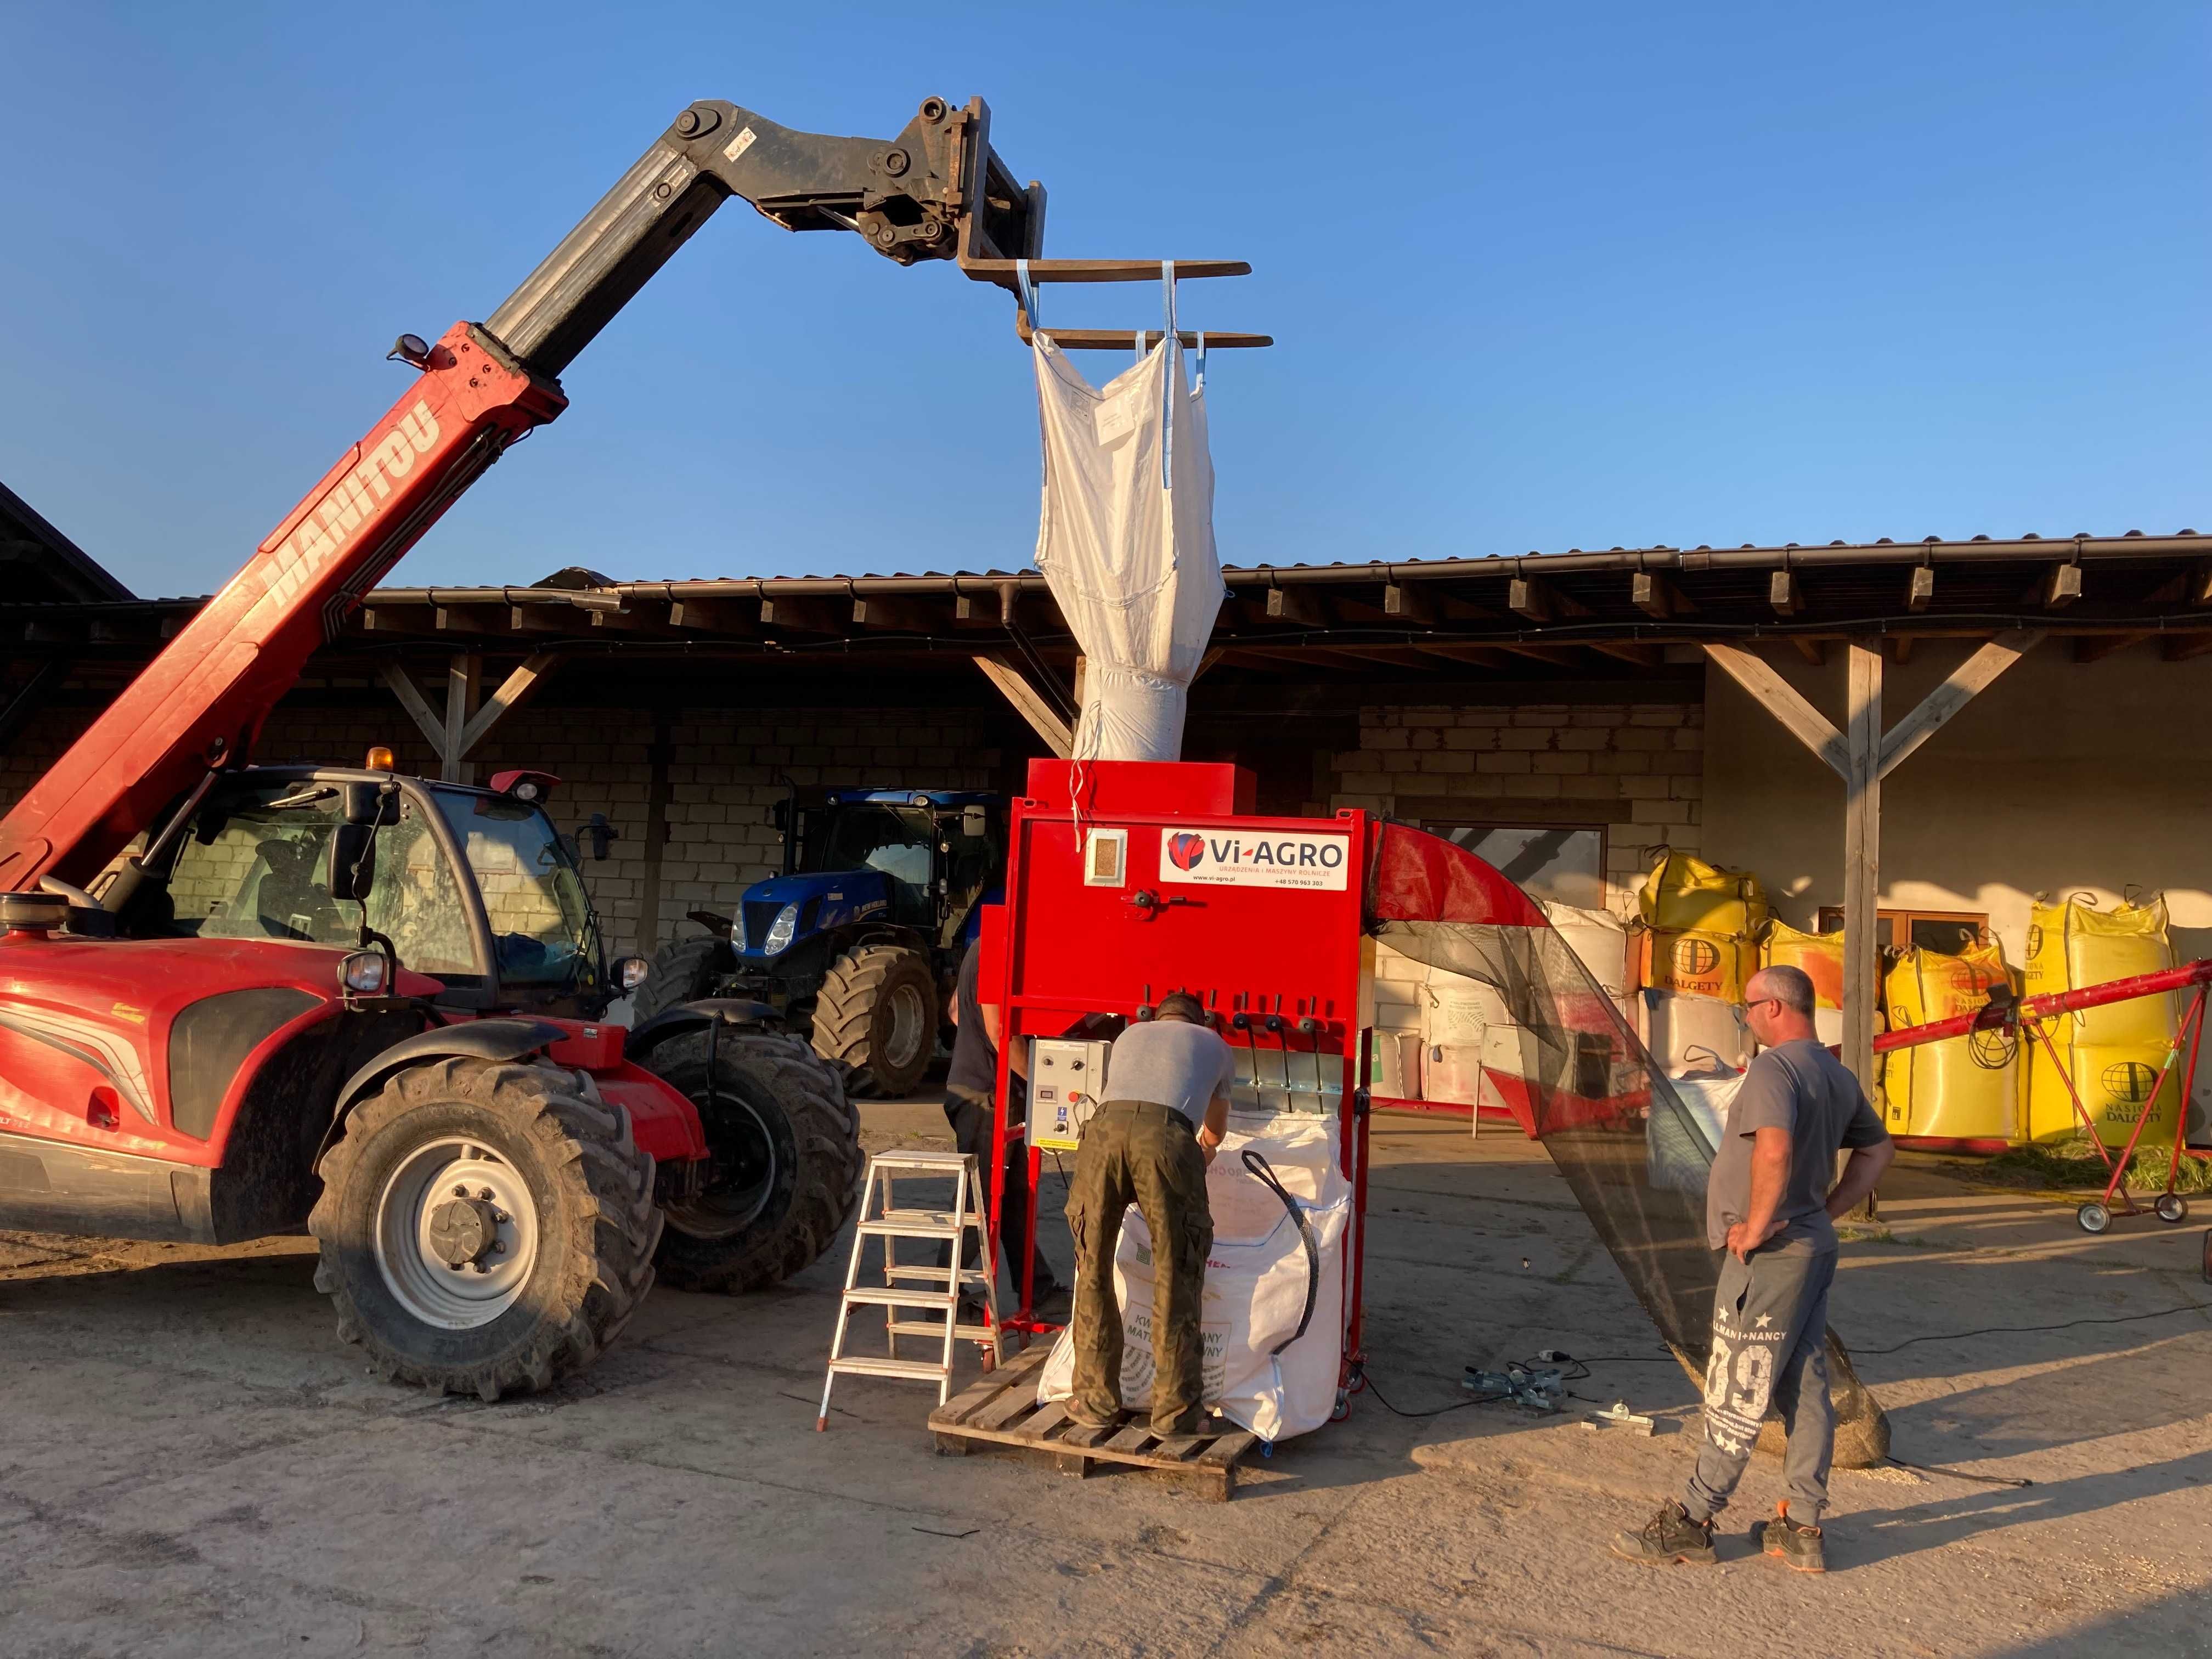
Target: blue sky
x=1542, y=277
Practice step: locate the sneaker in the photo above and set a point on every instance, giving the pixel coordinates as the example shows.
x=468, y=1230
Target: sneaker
x=1797, y=1544
x=1054, y=1302
x=1669, y=1536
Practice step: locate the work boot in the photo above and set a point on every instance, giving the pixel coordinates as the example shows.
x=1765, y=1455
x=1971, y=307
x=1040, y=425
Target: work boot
x=1669, y=1536
x=1084, y=1418
x=1196, y=1420
x=1798, y=1545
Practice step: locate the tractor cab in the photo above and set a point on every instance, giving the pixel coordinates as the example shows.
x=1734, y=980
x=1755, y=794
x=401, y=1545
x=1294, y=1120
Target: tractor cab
x=473, y=887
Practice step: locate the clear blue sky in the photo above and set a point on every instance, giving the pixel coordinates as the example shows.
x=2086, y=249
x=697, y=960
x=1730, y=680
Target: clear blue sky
x=1543, y=277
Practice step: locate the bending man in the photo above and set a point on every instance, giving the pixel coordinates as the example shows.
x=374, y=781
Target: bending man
x=1148, y=1144
x=1769, y=1206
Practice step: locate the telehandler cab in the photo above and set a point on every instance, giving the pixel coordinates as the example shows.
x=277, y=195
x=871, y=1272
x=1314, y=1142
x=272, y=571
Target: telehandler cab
x=369, y=1003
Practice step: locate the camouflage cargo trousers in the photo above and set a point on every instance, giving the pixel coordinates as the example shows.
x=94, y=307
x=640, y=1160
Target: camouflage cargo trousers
x=1135, y=1152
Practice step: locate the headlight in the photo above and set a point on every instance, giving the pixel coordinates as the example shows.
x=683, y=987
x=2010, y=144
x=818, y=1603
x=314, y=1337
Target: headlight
x=631, y=972
x=362, y=973
x=780, y=930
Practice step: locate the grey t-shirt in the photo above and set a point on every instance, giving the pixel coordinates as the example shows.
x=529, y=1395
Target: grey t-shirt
x=1798, y=1086
x=1170, y=1063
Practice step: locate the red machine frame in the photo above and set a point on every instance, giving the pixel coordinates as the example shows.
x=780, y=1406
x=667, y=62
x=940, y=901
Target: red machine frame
x=1285, y=957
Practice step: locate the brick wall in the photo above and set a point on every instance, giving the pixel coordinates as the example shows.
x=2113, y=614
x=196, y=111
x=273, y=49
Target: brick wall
x=1635, y=769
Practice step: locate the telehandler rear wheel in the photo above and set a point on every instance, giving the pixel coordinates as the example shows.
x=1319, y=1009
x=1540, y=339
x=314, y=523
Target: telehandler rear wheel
x=876, y=1014
x=681, y=972
x=485, y=1227
x=784, y=1142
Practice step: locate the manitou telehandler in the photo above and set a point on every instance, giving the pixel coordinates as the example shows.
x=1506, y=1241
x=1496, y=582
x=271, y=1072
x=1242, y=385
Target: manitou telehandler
x=368, y=1002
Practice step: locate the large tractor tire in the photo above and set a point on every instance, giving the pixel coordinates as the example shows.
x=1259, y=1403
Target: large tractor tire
x=785, y=1143
x=485, y=1227
x=876, y=1014
x=683, y=972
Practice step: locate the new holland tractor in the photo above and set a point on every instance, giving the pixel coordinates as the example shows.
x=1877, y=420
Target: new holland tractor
x=857, y=943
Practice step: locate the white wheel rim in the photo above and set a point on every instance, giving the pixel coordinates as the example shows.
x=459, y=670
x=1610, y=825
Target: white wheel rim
x=904, y=1041
x=414, y=1270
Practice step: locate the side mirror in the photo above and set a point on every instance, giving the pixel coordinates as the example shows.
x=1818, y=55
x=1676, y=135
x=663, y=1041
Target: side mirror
x=780, y=815
x=974, y=822
x=597, y=835
x=353, y=861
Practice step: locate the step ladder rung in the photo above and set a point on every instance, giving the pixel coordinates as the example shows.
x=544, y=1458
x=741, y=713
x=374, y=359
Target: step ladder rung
x=908, y=1230
x=935, y=1329
x=929, y=1217
x=942, y=1163
x=970, y=1277
x=867, y=1296
x=918, y=1370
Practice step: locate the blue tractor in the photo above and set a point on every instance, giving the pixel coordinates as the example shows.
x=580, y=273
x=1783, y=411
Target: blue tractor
x=856, y=943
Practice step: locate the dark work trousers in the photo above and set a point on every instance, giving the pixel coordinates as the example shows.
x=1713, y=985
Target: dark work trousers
x=1135, y=1152
x=970, y=1116
x=1769, y=1349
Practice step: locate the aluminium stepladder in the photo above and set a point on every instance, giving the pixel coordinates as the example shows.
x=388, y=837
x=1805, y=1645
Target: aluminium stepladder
x=881, y=1217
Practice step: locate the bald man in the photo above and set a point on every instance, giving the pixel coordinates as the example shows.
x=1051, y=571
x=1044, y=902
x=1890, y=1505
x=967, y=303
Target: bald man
x=1769, y=1207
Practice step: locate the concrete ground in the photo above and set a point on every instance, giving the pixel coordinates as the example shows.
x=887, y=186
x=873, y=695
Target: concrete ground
x=191, y=1463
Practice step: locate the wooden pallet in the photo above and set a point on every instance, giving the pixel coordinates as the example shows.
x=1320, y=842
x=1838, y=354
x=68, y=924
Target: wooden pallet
x=1002, y=1410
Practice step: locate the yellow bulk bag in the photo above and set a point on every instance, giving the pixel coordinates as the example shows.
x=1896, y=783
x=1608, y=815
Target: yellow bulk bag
x=1820, y=955
x=1692, y=963
x=2075, y=944
x=1947, y=1091
x=1684, y=892
x=2120, y=1084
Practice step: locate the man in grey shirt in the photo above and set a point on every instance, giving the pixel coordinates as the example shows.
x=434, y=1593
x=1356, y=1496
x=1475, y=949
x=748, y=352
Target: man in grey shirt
x=1149, y=1144
x=1769, y=1205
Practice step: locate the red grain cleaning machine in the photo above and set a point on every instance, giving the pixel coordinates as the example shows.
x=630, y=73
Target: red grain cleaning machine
x=1126, y=880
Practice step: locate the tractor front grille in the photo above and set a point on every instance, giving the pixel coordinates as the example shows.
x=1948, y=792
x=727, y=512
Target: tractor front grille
x=759, y=913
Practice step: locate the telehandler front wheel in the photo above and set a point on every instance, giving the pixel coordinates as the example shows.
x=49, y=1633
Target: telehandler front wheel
x=485, y=1227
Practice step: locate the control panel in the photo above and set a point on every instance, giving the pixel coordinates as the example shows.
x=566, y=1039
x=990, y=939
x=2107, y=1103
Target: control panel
x=1067, y=1081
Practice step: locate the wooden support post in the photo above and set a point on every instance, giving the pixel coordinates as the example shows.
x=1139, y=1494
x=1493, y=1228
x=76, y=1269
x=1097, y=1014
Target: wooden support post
x=463, y=677
x=465, y=724
x=1861, y=855
x=656, y=835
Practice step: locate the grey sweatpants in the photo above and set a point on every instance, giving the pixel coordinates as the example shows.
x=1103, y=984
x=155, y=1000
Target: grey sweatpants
x=1769, y=1349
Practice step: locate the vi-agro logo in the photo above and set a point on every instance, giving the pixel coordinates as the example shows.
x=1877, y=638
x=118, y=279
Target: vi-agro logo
x=1242, y=858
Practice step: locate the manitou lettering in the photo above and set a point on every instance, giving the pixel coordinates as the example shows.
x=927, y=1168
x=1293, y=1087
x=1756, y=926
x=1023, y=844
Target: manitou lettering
x=1289, y=860
x=331, y=524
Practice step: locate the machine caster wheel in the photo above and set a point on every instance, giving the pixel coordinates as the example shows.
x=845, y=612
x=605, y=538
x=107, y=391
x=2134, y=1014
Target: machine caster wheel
x=2172, y=1209
x=2094, y=1217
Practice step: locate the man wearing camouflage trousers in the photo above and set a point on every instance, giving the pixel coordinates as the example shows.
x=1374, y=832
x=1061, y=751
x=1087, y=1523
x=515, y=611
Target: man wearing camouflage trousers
x=1149, y=1144
x=1768, y=1203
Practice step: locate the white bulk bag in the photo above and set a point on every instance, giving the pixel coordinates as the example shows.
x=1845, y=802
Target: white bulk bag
x=1257, y=1286
x=1125, y=541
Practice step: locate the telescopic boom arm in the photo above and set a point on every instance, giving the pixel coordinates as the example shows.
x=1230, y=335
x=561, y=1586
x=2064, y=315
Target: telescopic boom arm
x=936, y=192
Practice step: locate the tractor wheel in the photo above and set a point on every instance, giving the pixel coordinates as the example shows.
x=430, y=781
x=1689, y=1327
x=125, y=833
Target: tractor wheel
x=485, y=1227
x=683, y=972
x=785, y=1144
x=876, y=1014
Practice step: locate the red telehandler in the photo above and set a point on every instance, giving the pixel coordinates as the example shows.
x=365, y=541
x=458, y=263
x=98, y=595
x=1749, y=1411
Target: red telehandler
x=370, y=1003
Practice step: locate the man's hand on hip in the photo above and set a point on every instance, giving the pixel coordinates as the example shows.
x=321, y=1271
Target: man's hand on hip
x=1741, y=1242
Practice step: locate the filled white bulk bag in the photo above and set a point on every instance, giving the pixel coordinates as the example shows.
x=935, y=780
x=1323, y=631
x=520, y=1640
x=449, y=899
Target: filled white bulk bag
x=1688, y=1035
x=1262, y=1283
